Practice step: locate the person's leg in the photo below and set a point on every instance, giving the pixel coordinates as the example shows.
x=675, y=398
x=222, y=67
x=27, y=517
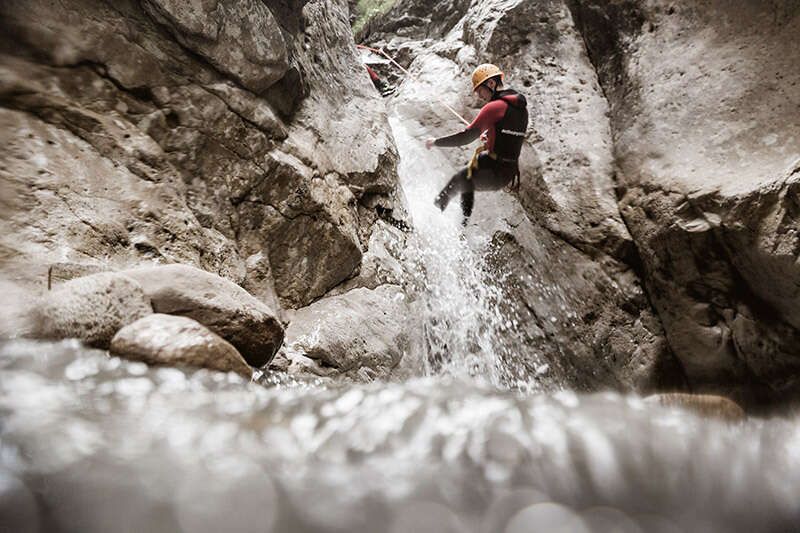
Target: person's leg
x=487, y=177
x=467, y=202
x=457, y=184
x=490, y=175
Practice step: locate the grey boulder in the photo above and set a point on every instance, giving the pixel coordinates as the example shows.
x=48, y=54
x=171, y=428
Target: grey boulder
x=219, y=304
x=176, y=340
x=92, y=308
x=362, y=329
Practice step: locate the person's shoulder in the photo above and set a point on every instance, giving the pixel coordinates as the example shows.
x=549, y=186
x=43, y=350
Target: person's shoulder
x=495, y=105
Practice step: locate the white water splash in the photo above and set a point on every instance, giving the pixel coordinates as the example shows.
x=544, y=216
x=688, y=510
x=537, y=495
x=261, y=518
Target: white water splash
x=458, y=294
x=204, y=451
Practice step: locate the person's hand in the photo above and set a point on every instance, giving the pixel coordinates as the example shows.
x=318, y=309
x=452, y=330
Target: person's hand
x=484, y=137
x=429, y=143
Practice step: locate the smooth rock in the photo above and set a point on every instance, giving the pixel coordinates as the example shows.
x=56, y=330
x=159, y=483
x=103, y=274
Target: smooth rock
x=706, y=405
x=176, y=340
x=360, y=329
x=219, y=304
x=92, y=308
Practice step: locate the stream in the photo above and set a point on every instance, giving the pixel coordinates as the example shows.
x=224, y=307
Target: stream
x=92, y=443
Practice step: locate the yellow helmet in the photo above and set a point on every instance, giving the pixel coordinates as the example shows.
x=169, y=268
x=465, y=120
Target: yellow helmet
x=483, y=73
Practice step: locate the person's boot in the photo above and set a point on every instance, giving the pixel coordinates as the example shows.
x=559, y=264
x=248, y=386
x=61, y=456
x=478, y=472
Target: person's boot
x=441, y=200
x=467, y=202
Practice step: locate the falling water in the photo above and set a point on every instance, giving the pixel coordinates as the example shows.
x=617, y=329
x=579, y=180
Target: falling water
x=465, y=329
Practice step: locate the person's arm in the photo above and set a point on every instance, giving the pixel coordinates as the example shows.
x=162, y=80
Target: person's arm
x=488, y=116
x=458, y=139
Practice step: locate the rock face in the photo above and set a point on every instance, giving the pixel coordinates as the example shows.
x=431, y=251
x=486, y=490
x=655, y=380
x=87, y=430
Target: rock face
x=705, y=108
x=217, y=303
x=92, y=308
x=176, y=340
x=686, y=116
x=242, y=39
x=243, y=138
x=590, y=320
x=362, y=332
x=569, y=262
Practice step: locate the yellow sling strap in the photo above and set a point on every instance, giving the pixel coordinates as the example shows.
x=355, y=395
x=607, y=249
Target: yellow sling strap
x=473, y=163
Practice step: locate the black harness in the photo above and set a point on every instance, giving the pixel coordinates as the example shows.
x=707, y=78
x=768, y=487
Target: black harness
x=510, y=130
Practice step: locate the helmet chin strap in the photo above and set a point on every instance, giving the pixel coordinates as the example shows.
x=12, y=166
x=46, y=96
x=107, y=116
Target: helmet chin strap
x=494, y=89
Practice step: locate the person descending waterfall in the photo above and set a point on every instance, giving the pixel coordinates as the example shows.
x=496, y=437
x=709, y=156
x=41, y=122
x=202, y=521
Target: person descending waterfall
x=501, y=123
x=382, y=87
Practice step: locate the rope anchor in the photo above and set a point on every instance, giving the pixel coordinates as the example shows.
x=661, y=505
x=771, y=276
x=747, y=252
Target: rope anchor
x=407, y=73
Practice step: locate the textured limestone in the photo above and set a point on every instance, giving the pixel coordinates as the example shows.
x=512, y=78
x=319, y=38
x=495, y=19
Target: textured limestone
x=160, y=339
x=705, y=100
x=92, y=308
x=559, y=242
x=381, y=263
x=361, y=333
x=242, y=138
x=220, y=305
x=241, y=38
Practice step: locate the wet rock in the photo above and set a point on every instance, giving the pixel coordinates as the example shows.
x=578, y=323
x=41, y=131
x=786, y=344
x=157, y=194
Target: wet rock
x=241, y=38
x=176, y=340
x=149, y=132
x=706, y=405
x=588, y=320
x=219, y=304
x=361, y=332
x=559, y=242
x=92, y=308
x=380, y=264
x=706, y=140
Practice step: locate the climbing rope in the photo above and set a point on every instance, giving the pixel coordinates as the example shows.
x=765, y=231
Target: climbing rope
x=407, y=73
x=473, y=163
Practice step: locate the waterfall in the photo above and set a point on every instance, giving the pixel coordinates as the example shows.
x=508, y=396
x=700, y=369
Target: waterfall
x=466, y=332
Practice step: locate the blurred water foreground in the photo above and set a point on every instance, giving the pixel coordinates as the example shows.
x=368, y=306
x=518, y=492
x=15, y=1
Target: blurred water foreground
x=92, y=443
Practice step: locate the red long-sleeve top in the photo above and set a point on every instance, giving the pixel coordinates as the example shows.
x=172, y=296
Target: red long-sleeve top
x=489, y=115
